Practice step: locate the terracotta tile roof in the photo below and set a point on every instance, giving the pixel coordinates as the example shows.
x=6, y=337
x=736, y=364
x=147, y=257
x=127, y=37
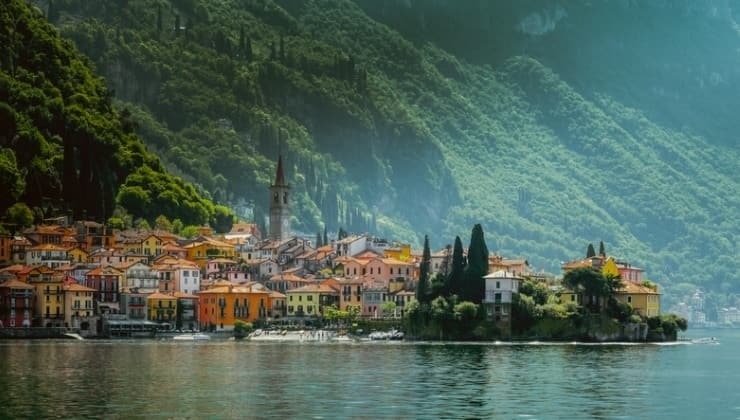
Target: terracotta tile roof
x=14, y=268
x=75, y=287
x=286, y=277
x=222, y=261
x=48, y=247
x=635, y=289
x=181, y=295
x=367, y=255
x=15, y=284
x=314, y=288
x=277, y=295
x=160, y=296
x=108, y=270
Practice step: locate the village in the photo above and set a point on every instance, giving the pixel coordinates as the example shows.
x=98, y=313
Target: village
x=83, y=277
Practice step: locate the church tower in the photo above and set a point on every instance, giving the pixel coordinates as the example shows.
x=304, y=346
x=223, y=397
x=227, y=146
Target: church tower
x=279, y=205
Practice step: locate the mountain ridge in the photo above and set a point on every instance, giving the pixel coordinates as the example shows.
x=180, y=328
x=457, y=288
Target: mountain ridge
x=542, y=152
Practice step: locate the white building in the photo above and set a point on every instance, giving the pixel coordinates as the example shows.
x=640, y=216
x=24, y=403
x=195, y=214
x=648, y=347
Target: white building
x=500, y=287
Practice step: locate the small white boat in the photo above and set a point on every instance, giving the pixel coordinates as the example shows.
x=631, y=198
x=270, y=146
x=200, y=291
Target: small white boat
x=192, y=337
x=705, y=340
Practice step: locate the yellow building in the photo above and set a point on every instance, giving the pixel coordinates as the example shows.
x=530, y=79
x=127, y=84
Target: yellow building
x=311, y=300
x=206, y=249
x=146, y=244
x=49, y=303
x=401, y=253
x=162, y=308
x=78, y=305
x=77, y=255
x=644, y=300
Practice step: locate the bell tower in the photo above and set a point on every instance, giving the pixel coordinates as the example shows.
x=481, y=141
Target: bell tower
x=279, y=205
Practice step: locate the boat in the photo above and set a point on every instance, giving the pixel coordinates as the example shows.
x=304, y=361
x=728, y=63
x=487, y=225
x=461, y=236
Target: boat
x=386, y=335
x=192, y=337
x=704, y=340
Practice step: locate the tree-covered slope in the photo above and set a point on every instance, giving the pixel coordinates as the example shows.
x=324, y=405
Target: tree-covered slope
x=62, y=145
x=436, y=117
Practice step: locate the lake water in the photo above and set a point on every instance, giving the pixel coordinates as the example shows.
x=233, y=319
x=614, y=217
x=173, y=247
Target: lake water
x=226, y=379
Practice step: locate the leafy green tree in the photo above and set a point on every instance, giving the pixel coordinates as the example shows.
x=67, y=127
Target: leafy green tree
x=537, y=290
x=116, y=223
x=477, y=268
x=242, y=329
x=341, y=234
x=222, y=219
x=19, y=216
x=12, y=184
x=466, y=312
x=177, y=226
x=189, y=231
x=422, y=288
x=142, y=224
x=590, y=252
x=388, y=308
x=163, y=223
x=596, y=288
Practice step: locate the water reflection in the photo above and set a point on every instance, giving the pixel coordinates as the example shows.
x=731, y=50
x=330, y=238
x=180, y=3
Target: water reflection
x=237, y=380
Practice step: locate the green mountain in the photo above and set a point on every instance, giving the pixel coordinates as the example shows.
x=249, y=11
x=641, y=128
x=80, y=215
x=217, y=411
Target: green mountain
x=552, y=124
x=63, y=147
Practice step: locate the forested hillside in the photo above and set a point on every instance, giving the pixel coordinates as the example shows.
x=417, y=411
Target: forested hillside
x=64, y=148
x=553, y=125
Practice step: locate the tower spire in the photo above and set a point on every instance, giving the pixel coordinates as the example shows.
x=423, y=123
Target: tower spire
x=279, y=177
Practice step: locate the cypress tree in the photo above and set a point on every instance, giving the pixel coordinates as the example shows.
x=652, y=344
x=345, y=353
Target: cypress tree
x=457, y=270
x=318, y=240
x=602, y=252
x=248, y=49
x=475, y=285
x=282, y=49
x=159, y=18
x=590, y=252
x=422, y=289
x=326, y=239
x=177, y=25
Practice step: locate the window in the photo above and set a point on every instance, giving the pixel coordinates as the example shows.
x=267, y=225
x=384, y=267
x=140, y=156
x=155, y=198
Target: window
x=629, y=299
x=300, y=298
x=498, y=284
x=309, y=298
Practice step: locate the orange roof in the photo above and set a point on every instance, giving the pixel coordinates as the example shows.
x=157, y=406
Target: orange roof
x=160, y=296
x=286, y=277
x=314, y=288
x=48, y=247
x=181, y=295
x=222, y=261
x=277, y=295
x=367, y=255
x=635, y=289
x=75, y=287
x=49, y=229
x=15, y=284
x=108, y=270
x=172, y=247
x=14, y=268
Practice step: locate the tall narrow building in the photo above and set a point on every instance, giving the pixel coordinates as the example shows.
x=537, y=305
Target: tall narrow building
x=279, y=205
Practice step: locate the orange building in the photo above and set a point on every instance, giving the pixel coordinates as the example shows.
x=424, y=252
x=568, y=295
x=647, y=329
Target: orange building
x=220, y=306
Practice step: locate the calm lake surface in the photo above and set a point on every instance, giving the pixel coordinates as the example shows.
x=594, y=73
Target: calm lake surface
x=226, y=379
